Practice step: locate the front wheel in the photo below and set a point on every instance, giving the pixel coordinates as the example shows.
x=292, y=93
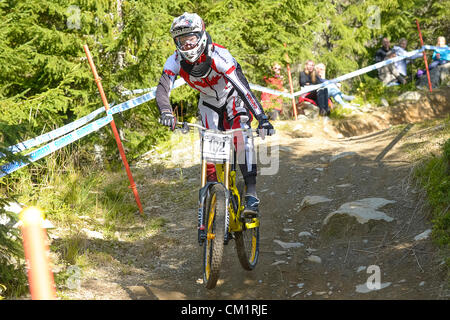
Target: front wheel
x=215, y=235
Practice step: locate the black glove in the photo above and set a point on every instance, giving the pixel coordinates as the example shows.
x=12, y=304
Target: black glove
x=167, y=119
x=265, y=127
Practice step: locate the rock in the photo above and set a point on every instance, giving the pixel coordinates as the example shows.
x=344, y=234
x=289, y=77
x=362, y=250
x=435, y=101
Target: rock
x=445, y=74
x=363, y=210
x=279, y=262
x=300, y=285
x=344, y=185
x=439, y=76
x=384, y=102
x=304, y=234
x=92, y=234
x=424, y=235
x=312, y=200
x=315, y=259
x=319, y=169
x=288, y=229
x=362, y=288
x=280, y=252
x=296, y=293
x=361, y=268
x=343, y=155
x=288, y=245
x=410, y=95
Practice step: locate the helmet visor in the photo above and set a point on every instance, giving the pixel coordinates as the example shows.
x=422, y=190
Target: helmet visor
x=188, y=41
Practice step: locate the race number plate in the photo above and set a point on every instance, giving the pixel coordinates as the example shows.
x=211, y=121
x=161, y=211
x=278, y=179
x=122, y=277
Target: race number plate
x=216, y=147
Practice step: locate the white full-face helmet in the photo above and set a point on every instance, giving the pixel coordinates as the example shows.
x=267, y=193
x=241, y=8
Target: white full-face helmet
x=188, y=33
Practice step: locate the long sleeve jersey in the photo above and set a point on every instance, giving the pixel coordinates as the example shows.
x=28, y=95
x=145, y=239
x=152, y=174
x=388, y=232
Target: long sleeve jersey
x=224, y=75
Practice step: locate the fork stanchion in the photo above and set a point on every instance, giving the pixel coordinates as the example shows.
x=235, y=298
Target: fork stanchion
x=114, y=129
x=34, y=236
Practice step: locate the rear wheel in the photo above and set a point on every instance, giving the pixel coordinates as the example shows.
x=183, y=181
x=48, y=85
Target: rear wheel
x=215, y=235
x=247, y=240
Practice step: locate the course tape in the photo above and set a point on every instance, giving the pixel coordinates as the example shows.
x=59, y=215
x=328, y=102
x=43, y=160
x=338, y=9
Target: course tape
x=307, y=89
x=56, y=145
x=151, y=93
x=357, y=72
x=55, y=133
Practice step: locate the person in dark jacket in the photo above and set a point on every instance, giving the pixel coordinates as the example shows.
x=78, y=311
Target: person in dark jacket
x=380, y=55
x=309, y=77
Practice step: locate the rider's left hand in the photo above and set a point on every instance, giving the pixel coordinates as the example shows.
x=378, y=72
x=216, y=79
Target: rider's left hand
x=265, y=126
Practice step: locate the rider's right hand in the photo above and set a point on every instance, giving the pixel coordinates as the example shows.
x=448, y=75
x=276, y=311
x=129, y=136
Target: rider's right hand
x=168, y=119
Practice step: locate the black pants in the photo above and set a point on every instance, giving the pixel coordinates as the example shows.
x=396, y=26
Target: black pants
x=320, y=97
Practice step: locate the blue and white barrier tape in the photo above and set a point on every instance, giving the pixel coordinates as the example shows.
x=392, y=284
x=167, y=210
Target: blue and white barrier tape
x=55, y=133
x=56, y=145
x=96, y=125
x=358, y=72
x=375, y=66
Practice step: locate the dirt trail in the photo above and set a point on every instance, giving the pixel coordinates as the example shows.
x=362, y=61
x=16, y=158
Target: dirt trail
x=376, y=166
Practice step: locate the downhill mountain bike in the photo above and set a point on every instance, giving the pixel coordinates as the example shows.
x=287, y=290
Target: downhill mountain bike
x=221, y=204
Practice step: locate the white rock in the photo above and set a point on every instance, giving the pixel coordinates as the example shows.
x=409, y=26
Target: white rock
x=296, y=293
x=315, y=259
x=363, y=210
x=92, y=234
x=319, y=169
x=288, y=245
x=422, y=284
x=343, y=155
x=345, y=185
x=279, y=262
x=288, y=229
x=410, y=95
x=424, y=235
x=300, y=285
x=384, y=102
x=312, y=200
x=305, y=234
x=310, y=250
x=362, y=288
x=361, y=268
x=279, y=252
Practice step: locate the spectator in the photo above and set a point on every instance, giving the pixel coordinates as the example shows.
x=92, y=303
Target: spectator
x=273, y=103
x=380, y=55
x=400, y=50
x=334, y=88
x=309, y=77
x=440, y=55
x=389, y=74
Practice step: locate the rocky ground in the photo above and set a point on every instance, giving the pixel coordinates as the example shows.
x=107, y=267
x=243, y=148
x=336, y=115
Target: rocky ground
x=342, y=210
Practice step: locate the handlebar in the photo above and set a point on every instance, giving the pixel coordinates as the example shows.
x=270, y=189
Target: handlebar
x=200, y=127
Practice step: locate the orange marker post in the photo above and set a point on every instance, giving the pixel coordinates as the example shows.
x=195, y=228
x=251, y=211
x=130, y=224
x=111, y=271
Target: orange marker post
x=290, y=84
x=424, y=57
x=114, y=129
x=40, y=276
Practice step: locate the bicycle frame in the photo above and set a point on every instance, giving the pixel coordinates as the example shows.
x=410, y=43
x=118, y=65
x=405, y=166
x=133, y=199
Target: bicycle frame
x=226, y=176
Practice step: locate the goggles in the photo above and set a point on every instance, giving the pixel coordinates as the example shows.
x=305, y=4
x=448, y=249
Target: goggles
x=187, y=41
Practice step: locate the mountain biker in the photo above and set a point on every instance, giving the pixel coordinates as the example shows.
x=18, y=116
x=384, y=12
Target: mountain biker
x=225, y=95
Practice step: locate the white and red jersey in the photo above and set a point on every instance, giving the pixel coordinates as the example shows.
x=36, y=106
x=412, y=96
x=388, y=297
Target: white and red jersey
x=215, y=87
